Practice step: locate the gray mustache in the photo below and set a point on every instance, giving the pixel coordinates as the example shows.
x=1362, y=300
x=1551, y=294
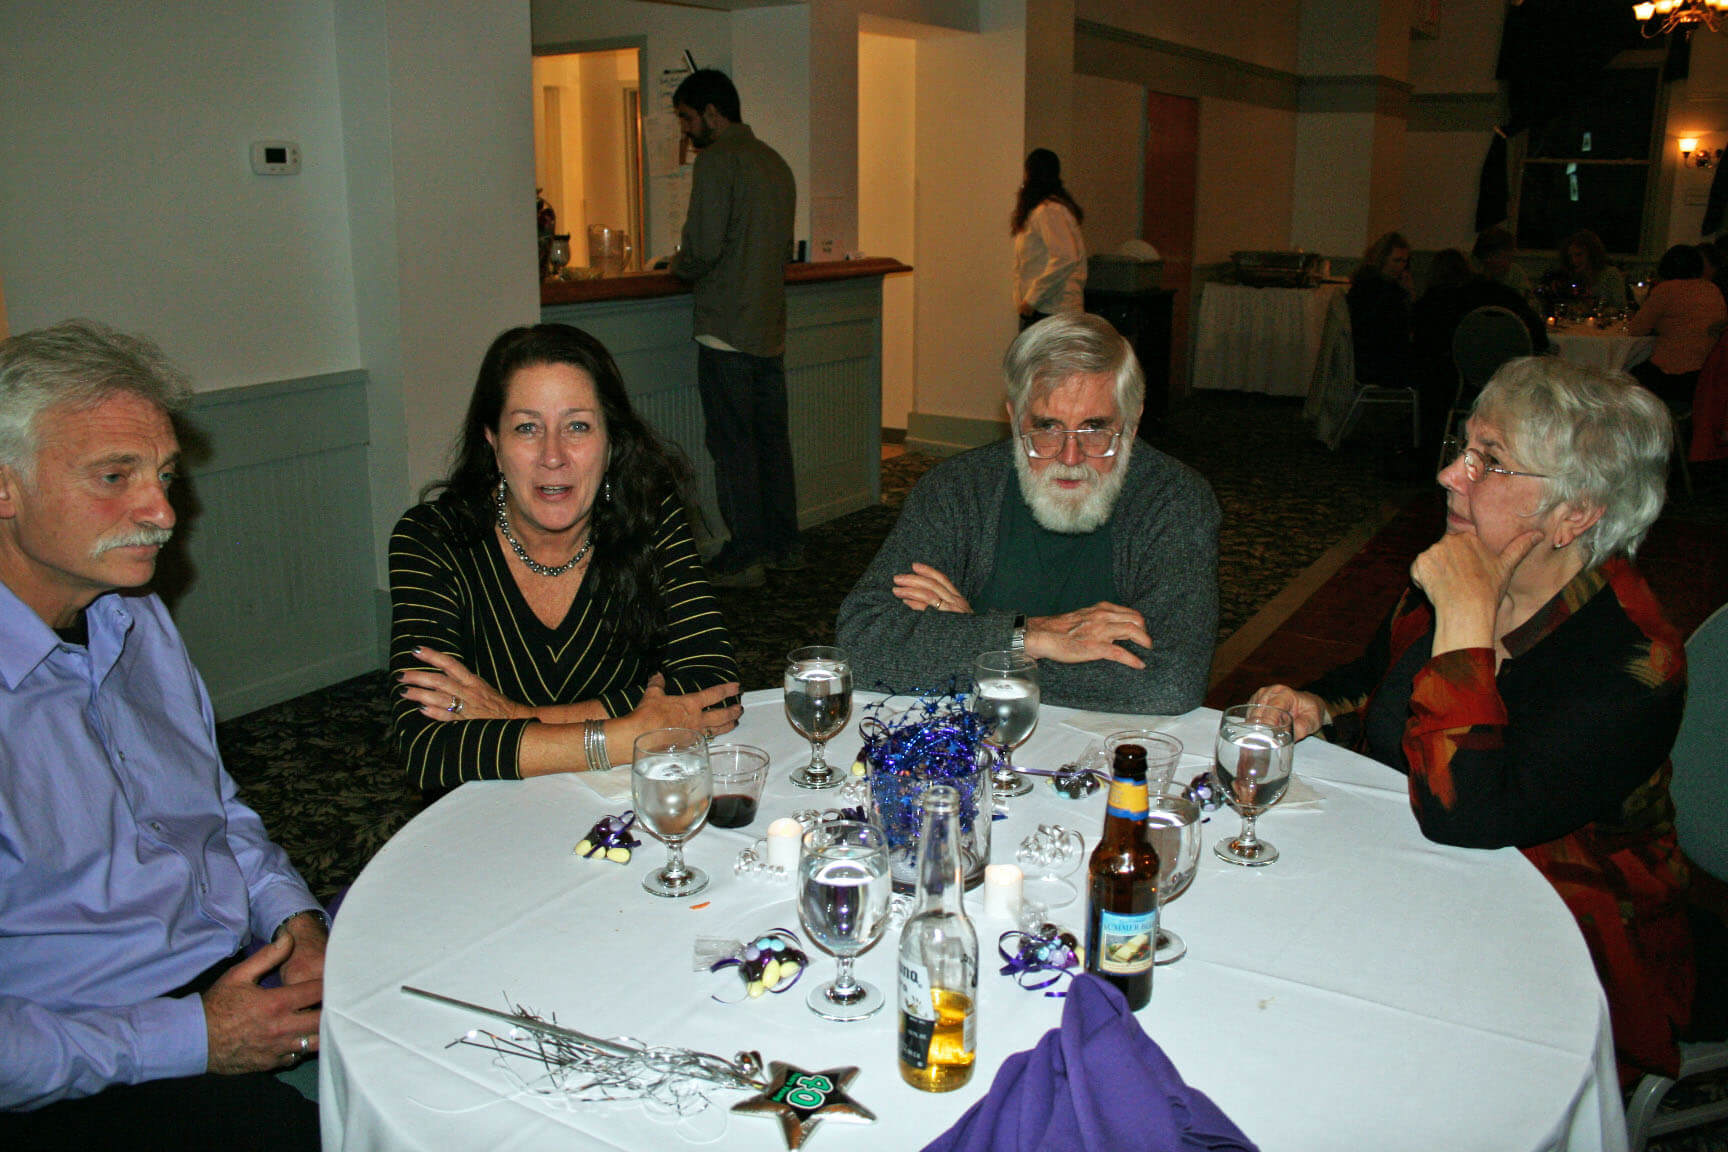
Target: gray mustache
x=139, y=538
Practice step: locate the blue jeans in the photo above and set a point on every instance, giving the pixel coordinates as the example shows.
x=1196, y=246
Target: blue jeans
x=744, y=413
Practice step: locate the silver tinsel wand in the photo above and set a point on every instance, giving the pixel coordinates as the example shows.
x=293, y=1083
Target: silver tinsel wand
x=742, y=1072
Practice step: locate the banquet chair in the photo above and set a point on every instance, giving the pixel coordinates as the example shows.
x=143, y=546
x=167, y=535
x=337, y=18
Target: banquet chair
x=1336, y=398
x=1700, y=779
x=1485, y=339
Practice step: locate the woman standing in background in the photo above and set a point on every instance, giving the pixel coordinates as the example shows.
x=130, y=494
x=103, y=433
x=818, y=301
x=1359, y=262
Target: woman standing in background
x=1049, y=252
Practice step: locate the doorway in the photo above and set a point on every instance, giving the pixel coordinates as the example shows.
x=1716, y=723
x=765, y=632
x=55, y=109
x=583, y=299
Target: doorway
x=1171, y=173
x=588, y=143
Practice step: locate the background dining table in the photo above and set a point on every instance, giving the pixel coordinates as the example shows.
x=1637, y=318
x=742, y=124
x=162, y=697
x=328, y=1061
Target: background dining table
x=1585, y=344
x=1369, y=990
x=1252, y=339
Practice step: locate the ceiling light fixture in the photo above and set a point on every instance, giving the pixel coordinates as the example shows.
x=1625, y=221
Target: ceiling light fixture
x=1660, y=17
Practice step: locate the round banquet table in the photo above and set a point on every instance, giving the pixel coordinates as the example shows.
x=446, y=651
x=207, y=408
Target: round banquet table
x=1260, y=339
x=1369, y=990
x=1593, y=347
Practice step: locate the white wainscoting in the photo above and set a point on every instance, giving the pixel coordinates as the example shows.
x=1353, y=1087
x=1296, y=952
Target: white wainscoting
x=833, y=384
x=270, y=575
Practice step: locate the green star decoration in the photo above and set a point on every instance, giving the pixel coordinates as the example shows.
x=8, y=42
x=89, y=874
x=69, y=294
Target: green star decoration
x=803, y=1100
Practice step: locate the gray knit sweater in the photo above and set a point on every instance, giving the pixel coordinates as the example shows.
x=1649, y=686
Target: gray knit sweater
x=1164, y=534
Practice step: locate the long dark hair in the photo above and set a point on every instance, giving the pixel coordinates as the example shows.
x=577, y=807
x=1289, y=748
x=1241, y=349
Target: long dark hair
x=642, y=470
x=1043, y=182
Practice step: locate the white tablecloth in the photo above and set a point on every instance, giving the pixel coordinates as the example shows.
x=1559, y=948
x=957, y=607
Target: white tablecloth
x=1259, y=339
x=1593, y=347
x=1369, y=990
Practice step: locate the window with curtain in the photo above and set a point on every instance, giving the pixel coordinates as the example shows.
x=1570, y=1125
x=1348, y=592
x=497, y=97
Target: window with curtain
x=1594, y=164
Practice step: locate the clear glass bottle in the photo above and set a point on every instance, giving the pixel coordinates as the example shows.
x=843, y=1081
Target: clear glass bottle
x=1122, y=914
x=939, y=958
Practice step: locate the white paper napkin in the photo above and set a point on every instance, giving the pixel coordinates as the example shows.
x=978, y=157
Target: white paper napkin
x=613, y=785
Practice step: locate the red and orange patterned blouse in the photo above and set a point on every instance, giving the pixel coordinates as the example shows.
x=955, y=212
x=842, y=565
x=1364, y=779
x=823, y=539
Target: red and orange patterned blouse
x=1562, y=753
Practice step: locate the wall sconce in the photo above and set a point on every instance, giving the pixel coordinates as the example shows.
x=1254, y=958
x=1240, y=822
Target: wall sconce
x=1692, y=156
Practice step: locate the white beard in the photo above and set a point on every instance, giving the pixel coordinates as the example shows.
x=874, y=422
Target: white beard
x=1074, y=512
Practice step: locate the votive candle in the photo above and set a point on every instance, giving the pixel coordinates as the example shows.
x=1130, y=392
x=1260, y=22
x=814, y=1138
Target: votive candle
x=1003, y=887
x=784, y=837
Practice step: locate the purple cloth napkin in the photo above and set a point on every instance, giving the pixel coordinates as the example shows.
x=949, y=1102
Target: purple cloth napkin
x=1096, y=1084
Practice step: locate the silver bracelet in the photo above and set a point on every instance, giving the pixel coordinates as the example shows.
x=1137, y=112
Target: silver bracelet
x=594, y=745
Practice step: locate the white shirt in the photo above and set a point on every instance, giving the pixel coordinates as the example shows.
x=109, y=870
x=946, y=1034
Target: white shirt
x=1050, y=261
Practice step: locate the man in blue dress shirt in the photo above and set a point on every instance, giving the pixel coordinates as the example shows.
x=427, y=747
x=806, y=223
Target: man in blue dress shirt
x=132, y=878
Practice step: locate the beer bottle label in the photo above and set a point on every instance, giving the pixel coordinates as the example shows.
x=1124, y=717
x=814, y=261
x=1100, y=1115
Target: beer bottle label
x=1125, y=939
x=917, y=1015
x=1127, y=799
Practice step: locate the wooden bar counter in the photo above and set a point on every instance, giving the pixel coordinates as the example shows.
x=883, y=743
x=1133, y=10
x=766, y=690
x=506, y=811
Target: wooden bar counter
x=833, y=372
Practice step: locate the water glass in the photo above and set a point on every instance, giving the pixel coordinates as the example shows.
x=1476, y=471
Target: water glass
x=672, y=788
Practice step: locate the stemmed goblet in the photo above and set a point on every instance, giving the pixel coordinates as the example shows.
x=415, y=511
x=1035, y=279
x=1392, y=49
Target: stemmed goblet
x=1173, y=827
x=672, y=788
x=1255, y=750
x=844, y=886
x=818, y=704
x=1005, y=697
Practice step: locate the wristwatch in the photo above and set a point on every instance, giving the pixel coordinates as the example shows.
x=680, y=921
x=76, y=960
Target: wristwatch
x=1017, y=638
x=318, y=912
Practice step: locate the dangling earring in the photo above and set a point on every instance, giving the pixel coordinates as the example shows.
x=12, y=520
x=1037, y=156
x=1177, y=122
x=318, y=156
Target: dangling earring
x=606, y=490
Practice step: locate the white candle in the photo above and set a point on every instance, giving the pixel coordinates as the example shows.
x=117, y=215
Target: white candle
x=784, y=837
x=1002, y=890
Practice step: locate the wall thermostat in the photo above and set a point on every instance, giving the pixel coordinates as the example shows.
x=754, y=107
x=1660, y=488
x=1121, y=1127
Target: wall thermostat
x=275, y=157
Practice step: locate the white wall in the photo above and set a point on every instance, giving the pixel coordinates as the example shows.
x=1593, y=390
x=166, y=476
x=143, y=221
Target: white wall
x=1246, y=179
x=887, y=200
x=437, y=103
x=126, y=192
x=1699, y=108
x=1103, y=166
x=1262, y=32
x=970, y=158
x=771, y=70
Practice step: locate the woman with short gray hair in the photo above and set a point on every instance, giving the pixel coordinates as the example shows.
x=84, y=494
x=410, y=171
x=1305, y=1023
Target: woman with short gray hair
x=1529, y=685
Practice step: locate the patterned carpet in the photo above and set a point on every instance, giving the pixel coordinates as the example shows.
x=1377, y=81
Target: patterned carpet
x=319, y=770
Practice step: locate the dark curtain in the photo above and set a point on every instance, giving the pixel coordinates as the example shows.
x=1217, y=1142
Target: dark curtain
x=1549, y=50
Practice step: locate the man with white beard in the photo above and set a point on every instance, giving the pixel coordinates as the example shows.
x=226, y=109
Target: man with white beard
x=1095, y=556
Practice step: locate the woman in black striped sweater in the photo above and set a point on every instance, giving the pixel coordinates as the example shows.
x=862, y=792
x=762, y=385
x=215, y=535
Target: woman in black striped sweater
x=548, y=605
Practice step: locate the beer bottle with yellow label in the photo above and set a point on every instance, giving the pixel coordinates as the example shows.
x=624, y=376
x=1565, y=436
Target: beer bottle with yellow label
x=1122, y=916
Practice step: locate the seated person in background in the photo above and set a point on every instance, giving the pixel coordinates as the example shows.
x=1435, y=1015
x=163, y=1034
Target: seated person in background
x=547, y=602
x=1379, y=300
x=1096, y=554
x=1686, y=314
x=1529, y=685
x=1584, y=274
x=1454, y=291
x=1715, y=253
x=1493, y=253
x=131, y=875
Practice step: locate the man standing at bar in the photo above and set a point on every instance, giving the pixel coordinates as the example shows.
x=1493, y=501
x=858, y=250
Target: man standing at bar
x=132, y=878
x=737, y=237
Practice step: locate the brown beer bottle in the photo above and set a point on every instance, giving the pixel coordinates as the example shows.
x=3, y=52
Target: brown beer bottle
x=1122, y=915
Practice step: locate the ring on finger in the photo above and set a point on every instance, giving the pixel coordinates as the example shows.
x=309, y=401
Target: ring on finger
x=305, y=1044
x=455, y=706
